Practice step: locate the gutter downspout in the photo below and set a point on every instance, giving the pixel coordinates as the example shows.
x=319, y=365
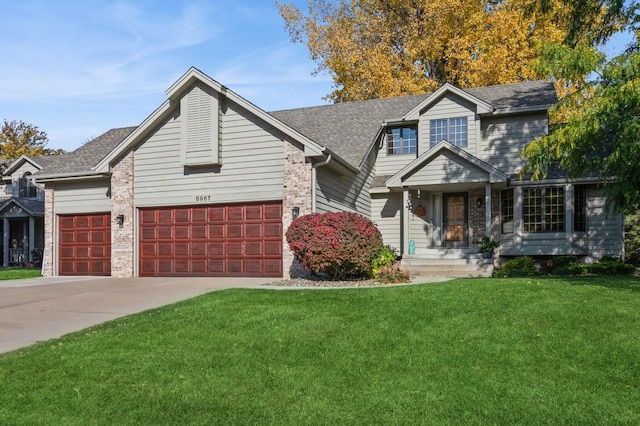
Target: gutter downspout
x=313, y=180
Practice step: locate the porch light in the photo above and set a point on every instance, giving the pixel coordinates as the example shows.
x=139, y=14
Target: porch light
x=295, y=212
x=479, y=202
x=120, y=220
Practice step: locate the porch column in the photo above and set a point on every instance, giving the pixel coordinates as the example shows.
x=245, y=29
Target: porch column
x=487, y=209
x=5, y=243
x=405, y=221
x=32, y=237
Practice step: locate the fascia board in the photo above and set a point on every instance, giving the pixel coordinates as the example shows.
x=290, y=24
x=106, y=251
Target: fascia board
x=58, y=177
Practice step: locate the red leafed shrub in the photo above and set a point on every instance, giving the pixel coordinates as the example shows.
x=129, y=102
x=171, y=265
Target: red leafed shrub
x=341, y=245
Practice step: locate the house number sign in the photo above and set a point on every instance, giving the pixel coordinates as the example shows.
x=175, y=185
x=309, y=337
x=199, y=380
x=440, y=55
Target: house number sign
x=201, y=198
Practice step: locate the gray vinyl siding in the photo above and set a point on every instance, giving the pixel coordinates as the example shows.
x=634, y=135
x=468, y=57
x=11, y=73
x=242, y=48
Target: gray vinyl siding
x=251, y=154
x=82, y=197
x=390, y=164
x=604, y=229
x=449, y=106
x=504, y=138
x=335, y=192
x=447, y=168
x=386, y=214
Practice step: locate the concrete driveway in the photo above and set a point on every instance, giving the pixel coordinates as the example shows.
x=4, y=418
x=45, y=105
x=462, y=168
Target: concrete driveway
x=45, y=308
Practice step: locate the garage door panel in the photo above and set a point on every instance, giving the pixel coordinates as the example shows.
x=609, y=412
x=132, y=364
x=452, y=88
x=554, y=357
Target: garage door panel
x=227, y=240
x=217, y=249
x=273, y=230
x=253, y=213
x=182, y=249
x=84, y=244
x=234, y=248
x=165, y=233
x=182, y=233
x=273, y=266
x=216, y=231
x=253, y=230
x=273, y=248
x=235, y=231
x=216, y=266
x=217, y=214
x=273, y=212
x=198, y=232
x=253, y=248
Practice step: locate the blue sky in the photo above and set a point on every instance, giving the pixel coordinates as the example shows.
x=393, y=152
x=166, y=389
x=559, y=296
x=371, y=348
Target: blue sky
x=77, y=68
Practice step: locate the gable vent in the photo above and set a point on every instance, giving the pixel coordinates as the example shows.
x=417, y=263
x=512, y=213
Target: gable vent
x=199, y=117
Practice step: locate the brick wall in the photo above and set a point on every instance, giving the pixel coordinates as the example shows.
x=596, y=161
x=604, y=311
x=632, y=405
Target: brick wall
x=297, y=189
x=477, y=219
x=122, y=238
x=47, y=261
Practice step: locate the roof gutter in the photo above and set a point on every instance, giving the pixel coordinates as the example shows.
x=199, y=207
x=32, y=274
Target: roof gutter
x=314, y=167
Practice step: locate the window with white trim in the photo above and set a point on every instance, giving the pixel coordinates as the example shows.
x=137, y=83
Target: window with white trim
x=506, y=208
x=543, y=209
x=580, y=208
x=453, y=130
x=402, y=140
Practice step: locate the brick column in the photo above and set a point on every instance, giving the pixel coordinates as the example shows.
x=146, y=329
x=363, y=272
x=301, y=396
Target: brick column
x=49, y=232
x=122, y=238
x=297, y=192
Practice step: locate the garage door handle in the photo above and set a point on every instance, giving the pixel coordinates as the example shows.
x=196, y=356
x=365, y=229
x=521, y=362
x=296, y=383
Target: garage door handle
x=242, y=248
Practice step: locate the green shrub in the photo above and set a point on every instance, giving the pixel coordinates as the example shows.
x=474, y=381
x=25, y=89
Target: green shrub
x=386, y=258
x=606, y=266
x=517, y=267
x=340, y=245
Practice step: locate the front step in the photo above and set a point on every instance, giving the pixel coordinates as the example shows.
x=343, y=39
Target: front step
x=449, y=264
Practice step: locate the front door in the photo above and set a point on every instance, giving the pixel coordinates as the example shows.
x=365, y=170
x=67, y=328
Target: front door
x=455, y=220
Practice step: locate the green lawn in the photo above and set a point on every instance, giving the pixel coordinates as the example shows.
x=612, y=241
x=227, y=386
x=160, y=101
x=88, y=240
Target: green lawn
x=476, y=351
x=18, y=274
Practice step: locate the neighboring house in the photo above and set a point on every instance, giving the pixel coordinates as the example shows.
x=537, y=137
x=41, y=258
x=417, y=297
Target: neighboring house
x=209, y=183
x=22, y=213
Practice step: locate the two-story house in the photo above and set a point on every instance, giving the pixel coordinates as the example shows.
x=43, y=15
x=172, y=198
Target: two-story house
x=22, y=213
x=209, y=182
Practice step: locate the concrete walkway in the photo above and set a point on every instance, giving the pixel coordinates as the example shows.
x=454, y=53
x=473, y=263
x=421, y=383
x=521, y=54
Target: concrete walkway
x=40, y=309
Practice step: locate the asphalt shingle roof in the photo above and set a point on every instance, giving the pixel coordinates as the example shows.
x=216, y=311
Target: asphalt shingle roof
x=85, y=157
x=346, y=129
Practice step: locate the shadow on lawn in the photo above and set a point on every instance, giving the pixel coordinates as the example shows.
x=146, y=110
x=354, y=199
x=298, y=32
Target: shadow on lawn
x=621, y=282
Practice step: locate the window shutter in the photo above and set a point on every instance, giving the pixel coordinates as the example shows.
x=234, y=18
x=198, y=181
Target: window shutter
x=199, y=121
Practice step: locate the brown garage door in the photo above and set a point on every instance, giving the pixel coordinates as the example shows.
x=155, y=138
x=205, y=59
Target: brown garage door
x=85, y=244
x=231, y=240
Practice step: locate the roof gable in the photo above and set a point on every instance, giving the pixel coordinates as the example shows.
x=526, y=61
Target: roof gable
x=449, y=164
x=481, y=106
x=18, y=162
x=174, y=94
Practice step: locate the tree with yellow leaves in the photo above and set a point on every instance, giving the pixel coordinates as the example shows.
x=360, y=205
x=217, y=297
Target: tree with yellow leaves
x=383, y=48
x=19, y=138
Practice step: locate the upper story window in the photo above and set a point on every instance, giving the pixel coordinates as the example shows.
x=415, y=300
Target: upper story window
x=402, y=140
x=26, y=188
x=453, y=130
